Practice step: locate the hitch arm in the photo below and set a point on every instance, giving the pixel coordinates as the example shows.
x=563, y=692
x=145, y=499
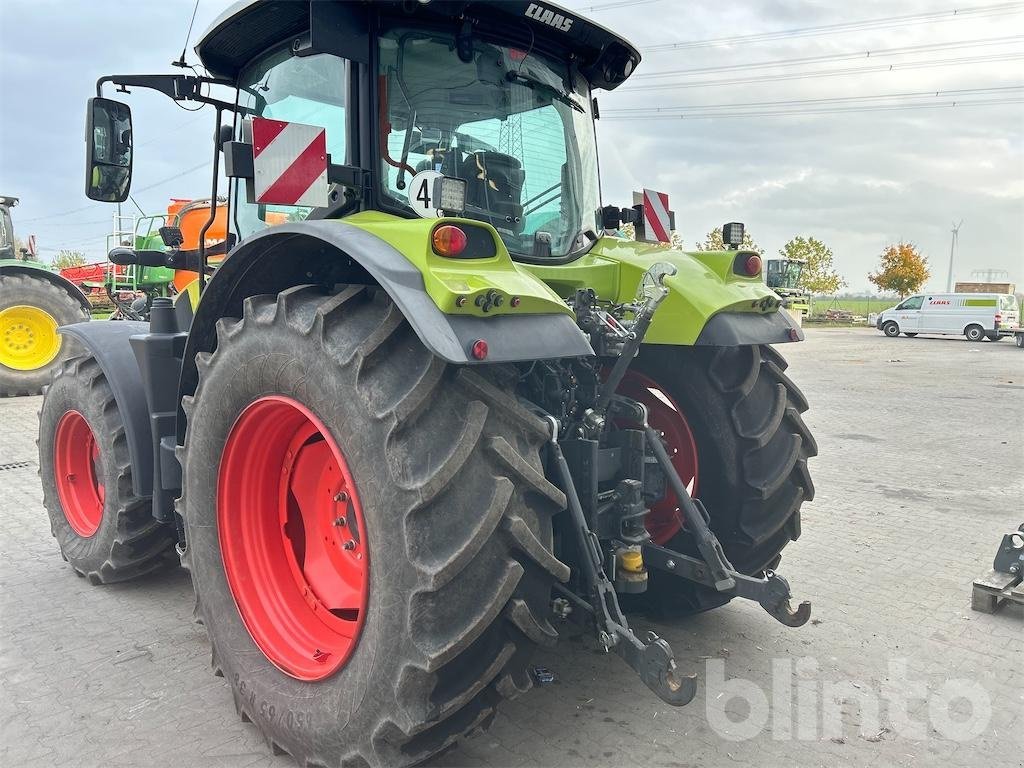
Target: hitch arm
x=653, y=661
x=696, y=518
x=714, y=570
x=772, y=592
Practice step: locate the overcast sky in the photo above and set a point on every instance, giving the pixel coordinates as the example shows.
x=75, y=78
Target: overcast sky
x=854, y=178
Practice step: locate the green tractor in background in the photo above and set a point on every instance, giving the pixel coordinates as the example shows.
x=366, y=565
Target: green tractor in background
x=128, y=290
x=428, y=413
x=783, y=276
x=34, y=301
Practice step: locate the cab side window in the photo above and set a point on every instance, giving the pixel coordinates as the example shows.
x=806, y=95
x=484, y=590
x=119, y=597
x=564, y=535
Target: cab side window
x=914, y=302
x=294, y=89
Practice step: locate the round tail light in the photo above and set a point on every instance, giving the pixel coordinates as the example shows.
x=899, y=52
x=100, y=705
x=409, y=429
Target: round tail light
x=449, y=240
x=752, y=265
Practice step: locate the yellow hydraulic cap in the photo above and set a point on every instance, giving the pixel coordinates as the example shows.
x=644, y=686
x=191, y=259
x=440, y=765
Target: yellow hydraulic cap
x=631, y=560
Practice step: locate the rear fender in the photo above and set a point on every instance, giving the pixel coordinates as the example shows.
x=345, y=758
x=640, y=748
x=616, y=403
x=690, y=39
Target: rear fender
x=331, y=252
x=708, y=304
x=108, y=342
x=16, y=267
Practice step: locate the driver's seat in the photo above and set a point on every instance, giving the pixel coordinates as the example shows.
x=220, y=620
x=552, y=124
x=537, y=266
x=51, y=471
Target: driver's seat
x=495, y=187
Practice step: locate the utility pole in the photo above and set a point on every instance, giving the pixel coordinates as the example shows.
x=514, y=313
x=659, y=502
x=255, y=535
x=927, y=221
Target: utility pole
x=952, y=249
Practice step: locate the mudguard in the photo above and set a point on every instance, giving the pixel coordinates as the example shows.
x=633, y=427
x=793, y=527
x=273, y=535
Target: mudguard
x=17, y=267
x=709, y=301
x=331, y=252
x=108, y=343
x=732, y=329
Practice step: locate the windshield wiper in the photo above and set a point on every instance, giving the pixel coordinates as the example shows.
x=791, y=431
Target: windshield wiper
x=531, y=82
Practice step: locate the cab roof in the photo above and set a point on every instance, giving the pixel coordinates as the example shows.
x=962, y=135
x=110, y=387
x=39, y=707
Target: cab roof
x=249, y=27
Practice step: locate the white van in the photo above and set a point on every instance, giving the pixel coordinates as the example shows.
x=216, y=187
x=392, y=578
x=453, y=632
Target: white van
x=974, y=315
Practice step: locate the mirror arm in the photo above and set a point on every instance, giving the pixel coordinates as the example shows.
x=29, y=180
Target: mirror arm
x=176, y=87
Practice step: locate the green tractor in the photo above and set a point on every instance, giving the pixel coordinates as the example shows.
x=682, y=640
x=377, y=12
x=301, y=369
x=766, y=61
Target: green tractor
x=427, y=414
x=34, y=301
x=783, y=276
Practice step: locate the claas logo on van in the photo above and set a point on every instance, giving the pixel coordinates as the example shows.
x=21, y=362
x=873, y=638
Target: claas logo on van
x=939, y=301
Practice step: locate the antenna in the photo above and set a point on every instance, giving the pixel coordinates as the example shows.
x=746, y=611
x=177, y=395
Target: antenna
x=181, y=61
x=952, y=250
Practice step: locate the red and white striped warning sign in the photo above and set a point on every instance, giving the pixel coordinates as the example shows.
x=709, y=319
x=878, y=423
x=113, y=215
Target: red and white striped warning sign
x=657, y=222
x=290, y=163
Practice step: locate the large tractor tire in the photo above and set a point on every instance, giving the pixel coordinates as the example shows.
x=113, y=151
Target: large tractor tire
x=732, y=422
x=368, y=530
x=31, y=350
x=105, y=532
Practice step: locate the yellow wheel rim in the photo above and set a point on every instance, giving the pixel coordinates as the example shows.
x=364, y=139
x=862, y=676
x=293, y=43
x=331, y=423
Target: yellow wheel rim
x=28, y=338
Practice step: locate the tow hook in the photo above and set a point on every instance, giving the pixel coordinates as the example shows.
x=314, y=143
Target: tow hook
x=655, y=663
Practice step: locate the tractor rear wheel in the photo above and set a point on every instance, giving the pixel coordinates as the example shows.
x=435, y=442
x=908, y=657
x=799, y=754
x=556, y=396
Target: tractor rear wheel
x=368, y=530
x=732, y=422
x=31, y=350
x=105, y=532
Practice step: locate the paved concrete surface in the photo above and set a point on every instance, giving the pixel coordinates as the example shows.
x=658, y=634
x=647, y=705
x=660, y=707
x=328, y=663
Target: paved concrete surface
x=921, y=471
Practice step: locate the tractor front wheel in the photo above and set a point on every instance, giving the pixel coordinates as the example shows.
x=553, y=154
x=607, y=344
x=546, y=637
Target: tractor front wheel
x=368, y=529
x=105, y=532
x=731, y=420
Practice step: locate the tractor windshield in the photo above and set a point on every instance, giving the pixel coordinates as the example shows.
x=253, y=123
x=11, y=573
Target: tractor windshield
x=515, y=124
x=783, y=273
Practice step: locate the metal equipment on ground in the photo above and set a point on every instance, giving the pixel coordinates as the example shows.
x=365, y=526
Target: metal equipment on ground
x=1002, y=585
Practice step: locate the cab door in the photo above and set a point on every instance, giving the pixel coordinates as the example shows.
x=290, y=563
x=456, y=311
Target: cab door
x=908, y=314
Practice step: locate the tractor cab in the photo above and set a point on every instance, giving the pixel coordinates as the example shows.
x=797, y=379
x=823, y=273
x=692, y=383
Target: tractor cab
x=783, y=276
x=6, y=227
x=497, y=96
x=784, y=273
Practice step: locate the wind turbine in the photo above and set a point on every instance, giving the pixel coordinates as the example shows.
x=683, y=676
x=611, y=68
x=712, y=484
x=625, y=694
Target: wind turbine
x=952, y=249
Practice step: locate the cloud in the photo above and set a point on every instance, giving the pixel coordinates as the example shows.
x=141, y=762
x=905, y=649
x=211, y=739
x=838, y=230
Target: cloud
x=856, y=180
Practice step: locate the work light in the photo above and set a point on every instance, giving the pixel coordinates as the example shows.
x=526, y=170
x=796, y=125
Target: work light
x=732, y=234
x=450, y=194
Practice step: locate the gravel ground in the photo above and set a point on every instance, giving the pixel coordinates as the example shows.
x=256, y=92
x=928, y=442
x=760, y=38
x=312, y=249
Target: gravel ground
x=921, y=471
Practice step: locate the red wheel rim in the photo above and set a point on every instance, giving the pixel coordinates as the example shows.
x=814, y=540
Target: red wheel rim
x=665, y=520
x=76, y=469
x=292, y=538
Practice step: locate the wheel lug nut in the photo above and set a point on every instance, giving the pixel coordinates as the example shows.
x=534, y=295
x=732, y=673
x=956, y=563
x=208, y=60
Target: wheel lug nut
x=350, y=544
x=341, y=496
x=339, y=522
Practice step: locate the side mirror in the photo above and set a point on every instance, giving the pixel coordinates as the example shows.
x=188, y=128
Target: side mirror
x=108, y=154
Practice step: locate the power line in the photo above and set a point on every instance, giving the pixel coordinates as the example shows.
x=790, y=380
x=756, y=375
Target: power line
x=850, y=26
x=817, y=111
x=613, y=6
x=154, y=185
x=21, y=222
x=827, y=100
x=170, y=132
x=186, y=172
x=964, y=60
x=76, y=223
x=838, y=57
